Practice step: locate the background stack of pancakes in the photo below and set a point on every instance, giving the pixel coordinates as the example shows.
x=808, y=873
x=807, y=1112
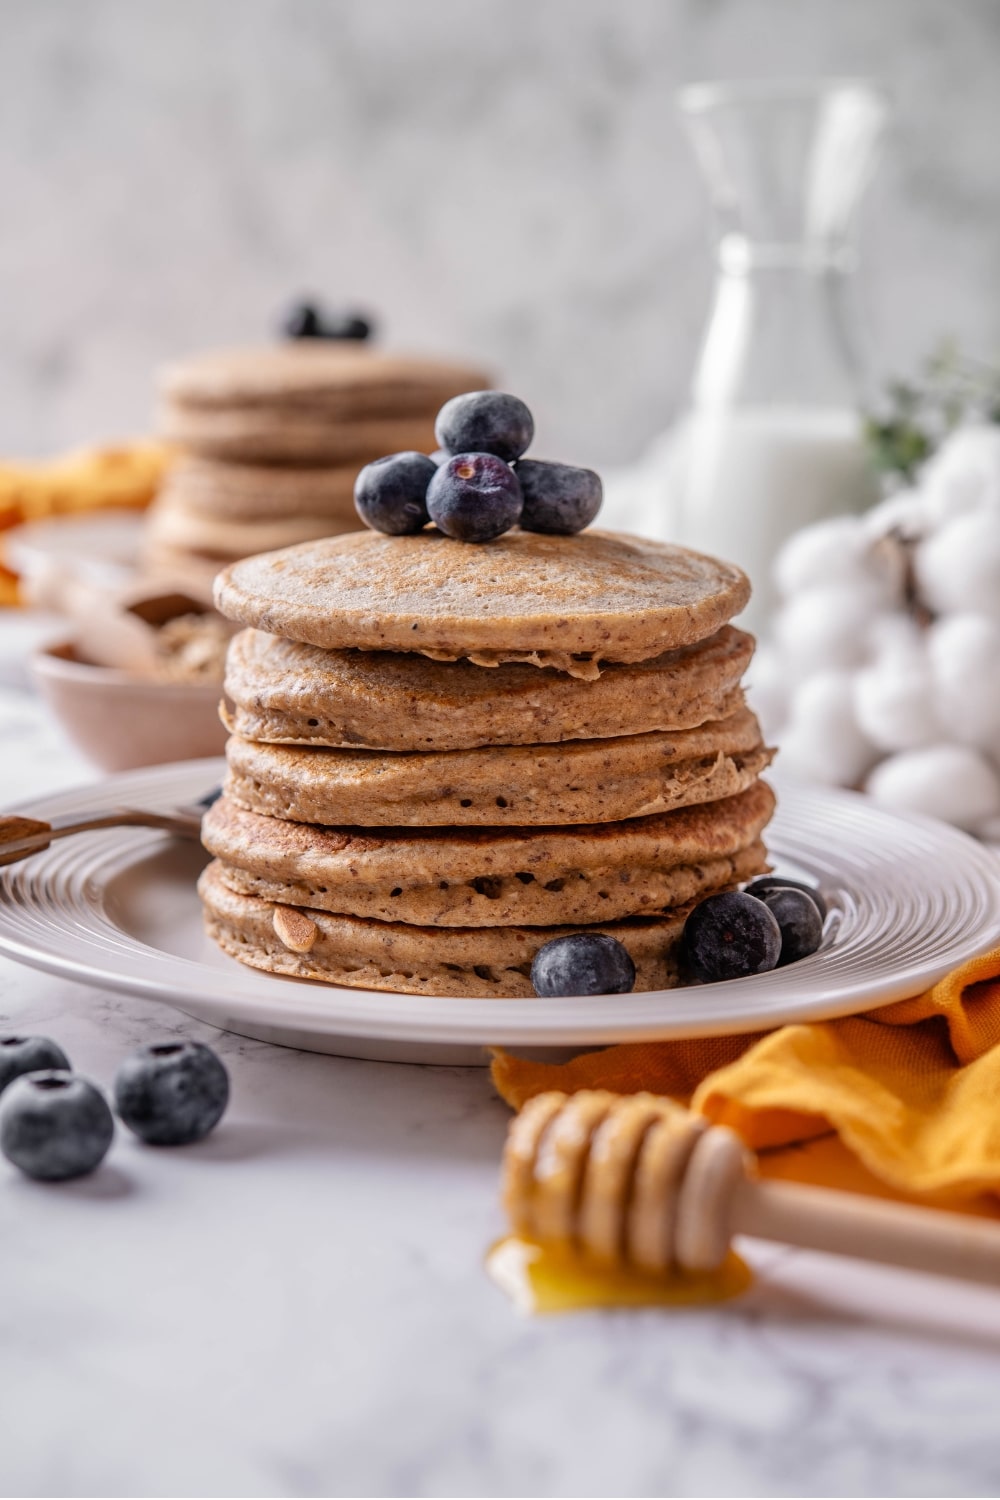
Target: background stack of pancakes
x=444, y=755
x=271, y=442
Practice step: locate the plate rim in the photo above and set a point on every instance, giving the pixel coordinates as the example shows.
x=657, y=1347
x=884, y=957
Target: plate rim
x=485, y=1021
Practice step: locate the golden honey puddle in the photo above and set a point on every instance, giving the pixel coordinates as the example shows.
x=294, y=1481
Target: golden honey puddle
x=542, y=1279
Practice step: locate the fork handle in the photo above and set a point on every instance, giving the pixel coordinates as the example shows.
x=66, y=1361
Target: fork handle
x=21, y=836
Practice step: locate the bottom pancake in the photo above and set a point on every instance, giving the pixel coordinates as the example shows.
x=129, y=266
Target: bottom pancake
x=479, y=963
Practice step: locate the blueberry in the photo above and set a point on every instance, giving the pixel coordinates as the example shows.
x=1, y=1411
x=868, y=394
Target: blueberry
x=583, y=963
x=799, y=919
x=171, y=1093
x=28, y=1054
x=474, y=497
x=348, y=325
x=302, y=321
x=485, y=422
x=730, y=935
x=390, y=494
x=765, y=883
x=558, y=498
x=55, y=1125
x=305, y=320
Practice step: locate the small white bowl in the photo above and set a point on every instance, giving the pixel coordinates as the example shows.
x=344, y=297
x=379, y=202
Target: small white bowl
x=120, y=721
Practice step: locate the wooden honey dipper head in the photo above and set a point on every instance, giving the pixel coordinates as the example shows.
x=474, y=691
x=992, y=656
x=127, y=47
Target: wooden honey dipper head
x=636, y=1181
x=625, y=1179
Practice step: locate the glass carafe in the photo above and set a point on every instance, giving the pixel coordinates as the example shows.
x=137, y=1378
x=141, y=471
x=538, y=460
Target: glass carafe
x=772, y=439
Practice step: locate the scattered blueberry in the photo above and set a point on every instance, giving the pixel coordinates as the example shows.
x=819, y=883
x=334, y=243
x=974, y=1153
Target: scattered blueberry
x=474, y=497
x=171, y=1093
x=765, y=883
x=305, y=320
x=390, y=494
x=558, y=498
x=485, y=422
x=28, y=1054
x=730, y=935
x=54, y=1125
x=799, y=919
x=583, y=963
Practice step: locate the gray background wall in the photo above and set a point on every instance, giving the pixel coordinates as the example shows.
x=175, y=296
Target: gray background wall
x=501, y=178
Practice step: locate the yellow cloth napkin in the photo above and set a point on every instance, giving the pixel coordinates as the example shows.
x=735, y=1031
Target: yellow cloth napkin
x=903, y=1101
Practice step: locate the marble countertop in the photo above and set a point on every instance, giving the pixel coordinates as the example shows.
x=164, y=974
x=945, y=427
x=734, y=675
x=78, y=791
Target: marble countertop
x=298, y=1306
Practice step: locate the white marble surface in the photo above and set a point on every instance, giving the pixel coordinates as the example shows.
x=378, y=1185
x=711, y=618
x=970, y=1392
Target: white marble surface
x=298, y=1307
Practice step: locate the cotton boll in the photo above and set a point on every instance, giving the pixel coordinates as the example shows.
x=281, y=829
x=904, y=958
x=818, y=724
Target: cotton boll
x=964, y=660
x=825, y=627
x=905, y=512
x=951, y=782
x=894, y=702
x=964, y=474
x=826, y=552
x=958, y=568
x=823, y=741
x=895, y=636
x=767, y=688
x=838, y=551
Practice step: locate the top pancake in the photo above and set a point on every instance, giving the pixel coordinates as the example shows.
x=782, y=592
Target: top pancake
x=569, y=602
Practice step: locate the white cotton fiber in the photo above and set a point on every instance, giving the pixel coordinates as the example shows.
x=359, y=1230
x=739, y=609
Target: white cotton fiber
x=822, y=740
x=826, y=628
x=964, y=474
x=952, y=782
x=895, y=704
x=957, y=569
x=964, y=659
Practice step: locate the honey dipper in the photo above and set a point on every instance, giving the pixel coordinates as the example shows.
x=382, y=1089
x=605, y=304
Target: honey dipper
x=636, y=1181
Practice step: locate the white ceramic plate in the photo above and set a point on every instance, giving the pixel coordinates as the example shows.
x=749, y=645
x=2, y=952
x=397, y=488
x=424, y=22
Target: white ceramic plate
x=101, y=546
x=909, y=899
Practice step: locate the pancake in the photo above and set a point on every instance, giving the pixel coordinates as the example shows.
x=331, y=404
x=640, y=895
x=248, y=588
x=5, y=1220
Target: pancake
x=285, y=692
x=579, y=781
x=549, y=600
x=174, y=523
x=306, y=402
x=294, y=438
x=484, y=963
x=261, y=492
x=488, y=877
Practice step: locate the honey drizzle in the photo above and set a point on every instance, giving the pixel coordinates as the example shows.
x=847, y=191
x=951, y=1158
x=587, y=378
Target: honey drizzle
x=553, y=1279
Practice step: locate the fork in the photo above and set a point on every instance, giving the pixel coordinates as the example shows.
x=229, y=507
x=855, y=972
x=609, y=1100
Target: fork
x=20, y=836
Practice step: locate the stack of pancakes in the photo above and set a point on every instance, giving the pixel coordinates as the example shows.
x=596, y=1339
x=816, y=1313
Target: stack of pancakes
x=444, y=755
x=271, y=442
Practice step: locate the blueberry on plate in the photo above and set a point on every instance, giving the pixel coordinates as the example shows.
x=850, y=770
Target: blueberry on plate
x=390, y=494
x=171, y=1093
x=474, y=497
x=799, y=919
x=55, y=1125
x=729, y=936
x=485, y=422
x=765, y=883
x=583, y=963
x=558, y=498
x=28, y=1054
